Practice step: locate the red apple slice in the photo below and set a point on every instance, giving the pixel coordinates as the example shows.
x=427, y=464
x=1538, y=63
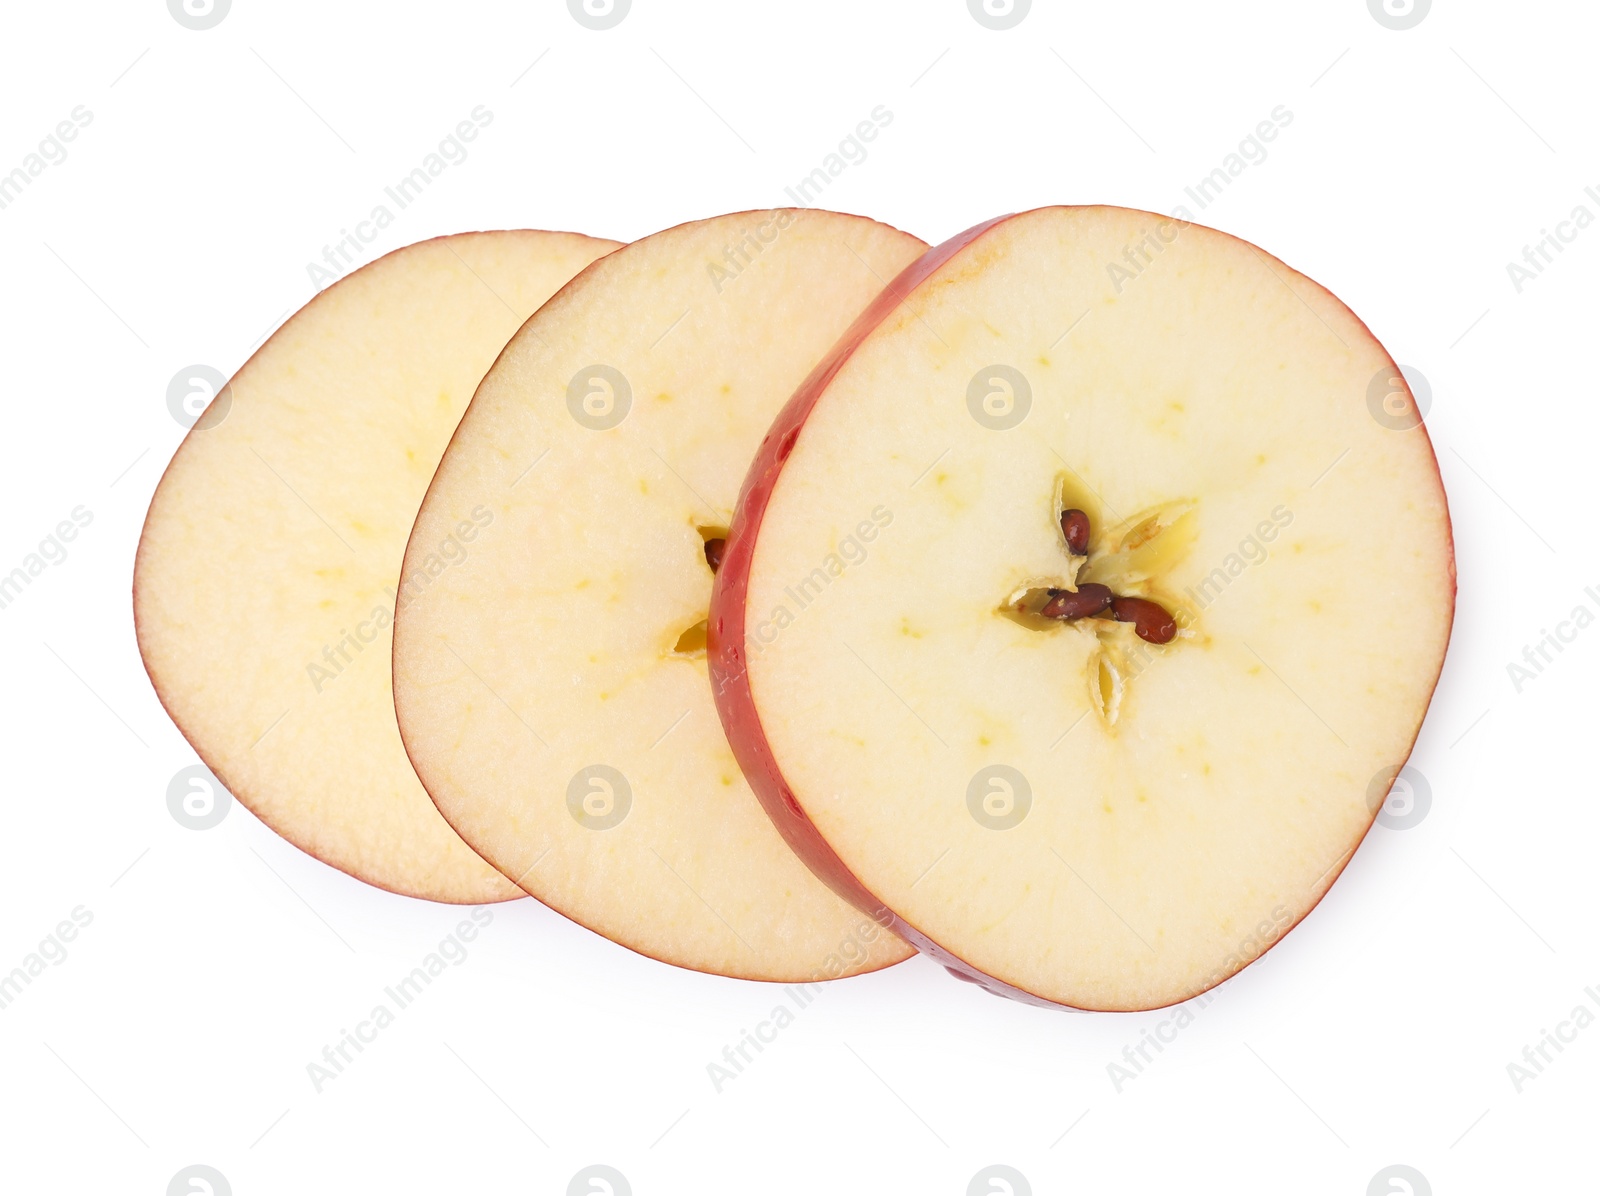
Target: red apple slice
x=265, y=579
x=1069, y=810
x=552, y=689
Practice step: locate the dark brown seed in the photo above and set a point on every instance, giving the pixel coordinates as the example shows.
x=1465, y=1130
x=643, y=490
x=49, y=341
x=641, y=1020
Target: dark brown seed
x=714, y=550
x=1088, y=599
x=1150, y=620
x=1075, y=527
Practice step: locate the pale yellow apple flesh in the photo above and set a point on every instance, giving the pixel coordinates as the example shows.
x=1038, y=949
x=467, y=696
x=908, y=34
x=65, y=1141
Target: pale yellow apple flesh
x=1183, y=805
x=552, y=688
x=265, y=578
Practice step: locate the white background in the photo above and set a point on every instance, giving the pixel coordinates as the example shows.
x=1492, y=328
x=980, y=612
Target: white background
x=218, y=963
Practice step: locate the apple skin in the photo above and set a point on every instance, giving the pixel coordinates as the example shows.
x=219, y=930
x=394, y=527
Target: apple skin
x=726, y=626
x=725, y=630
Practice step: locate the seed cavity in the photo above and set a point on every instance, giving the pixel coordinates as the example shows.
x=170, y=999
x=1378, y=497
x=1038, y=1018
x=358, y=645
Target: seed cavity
x=1106, y=564
x=1151, y=621
x=715, y=539
x=1148, y=545
x=692, y=643
x=1106, y=687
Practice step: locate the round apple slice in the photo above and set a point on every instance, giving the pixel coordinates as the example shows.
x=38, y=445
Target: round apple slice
x=1216, y=481
x=265, y=579
x=552, y=688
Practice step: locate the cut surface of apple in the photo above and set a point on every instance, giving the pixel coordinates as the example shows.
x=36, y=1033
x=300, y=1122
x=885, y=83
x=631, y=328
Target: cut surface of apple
x=552, y=688
x=265, y=582
x=1120, y=807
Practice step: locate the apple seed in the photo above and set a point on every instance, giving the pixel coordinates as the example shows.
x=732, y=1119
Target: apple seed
x=714, y=551
x=1075, y=527
x=1088, y=599
x=1150, y=620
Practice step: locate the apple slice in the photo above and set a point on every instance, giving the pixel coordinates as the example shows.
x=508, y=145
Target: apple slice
x=1213, y=476
x=265, y=579
x=552, y=688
